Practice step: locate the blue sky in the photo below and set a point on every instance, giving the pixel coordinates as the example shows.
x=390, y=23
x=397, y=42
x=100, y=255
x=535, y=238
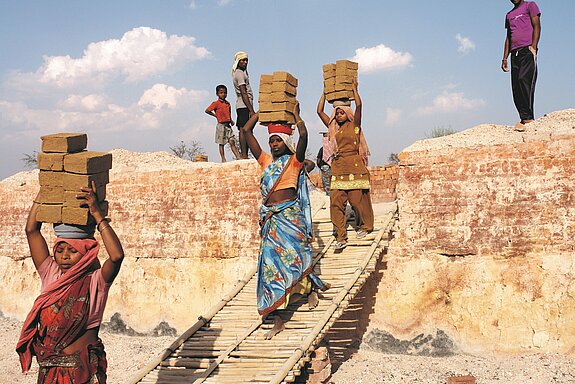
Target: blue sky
x=139, y=74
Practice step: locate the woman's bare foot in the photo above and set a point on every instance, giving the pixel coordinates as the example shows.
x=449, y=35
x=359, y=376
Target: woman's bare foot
x=325, y=287
x=278, y=327
x=312, y=300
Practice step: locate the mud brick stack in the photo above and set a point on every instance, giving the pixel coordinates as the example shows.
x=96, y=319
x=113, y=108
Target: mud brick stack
x=338, y=80
x=277, y=98
x=65, y=167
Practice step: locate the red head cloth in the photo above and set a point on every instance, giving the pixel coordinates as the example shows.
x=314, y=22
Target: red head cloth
x=285, y=133
x=56, y=291
x=279, y=128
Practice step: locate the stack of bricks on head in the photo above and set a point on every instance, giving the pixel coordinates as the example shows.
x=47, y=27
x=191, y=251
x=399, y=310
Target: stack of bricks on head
x=277, y=98
x=338, y=80
x=65, y=167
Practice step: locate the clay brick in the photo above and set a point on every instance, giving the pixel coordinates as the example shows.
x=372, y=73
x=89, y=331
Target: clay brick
x=329, y=87
x=266, y=79
x=81, y=216
x=50, y=195
x=287, y=106
x=64, y=142
x=265, y=98
x=276, y=117
x=265, y=106
x=88, y=162
x=49, y=178
x=51, y=161
x=347, y=64
x=284, y=87
x=266, y=88
x=338, y=87
x=345, y=79
x=341, y=71
x=49, y=213
x=70, y=200
x=328, y=67
x=284, y=77
x=339, y=95
x=280, y=97
x=75, y=182
x=461, y=380
x=329, y=75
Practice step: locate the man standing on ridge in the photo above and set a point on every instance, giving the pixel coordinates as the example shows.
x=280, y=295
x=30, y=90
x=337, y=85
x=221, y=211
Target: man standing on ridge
x=244, y=104
x=523, y=31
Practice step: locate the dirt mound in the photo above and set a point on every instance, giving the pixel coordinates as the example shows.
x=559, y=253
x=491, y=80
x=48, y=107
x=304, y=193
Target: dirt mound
x=548, y=126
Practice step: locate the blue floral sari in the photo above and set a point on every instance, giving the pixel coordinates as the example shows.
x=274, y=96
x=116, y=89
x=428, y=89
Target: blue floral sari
x=285, y=252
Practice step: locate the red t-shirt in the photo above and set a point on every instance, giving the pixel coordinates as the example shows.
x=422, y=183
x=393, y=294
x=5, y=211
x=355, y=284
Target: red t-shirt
x=222, y=109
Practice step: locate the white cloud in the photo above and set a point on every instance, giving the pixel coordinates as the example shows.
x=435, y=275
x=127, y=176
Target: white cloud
x=465, y=45
x=392, y=116
x=381, y=58
x=90, y=103
x=160, y=107
x=449, y=102
x=139, y=54
x=220, y=3
x=162, y=95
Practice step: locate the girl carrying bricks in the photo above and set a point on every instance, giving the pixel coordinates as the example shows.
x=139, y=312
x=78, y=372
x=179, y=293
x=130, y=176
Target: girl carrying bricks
x=285, y=259
x=61, y=330
x=348, y=152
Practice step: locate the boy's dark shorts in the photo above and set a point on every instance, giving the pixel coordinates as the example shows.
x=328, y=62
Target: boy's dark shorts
x=243, y=117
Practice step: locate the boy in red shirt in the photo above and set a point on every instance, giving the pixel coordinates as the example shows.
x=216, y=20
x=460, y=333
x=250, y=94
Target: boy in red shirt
x=222, y=111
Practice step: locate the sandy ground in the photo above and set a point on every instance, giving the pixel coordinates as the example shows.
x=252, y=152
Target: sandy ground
x=127, y=354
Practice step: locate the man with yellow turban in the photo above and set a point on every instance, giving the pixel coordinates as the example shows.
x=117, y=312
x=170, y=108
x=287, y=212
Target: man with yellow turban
x=245, y=97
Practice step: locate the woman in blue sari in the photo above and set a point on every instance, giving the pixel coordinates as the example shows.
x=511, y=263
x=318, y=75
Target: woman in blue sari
x=285, y=259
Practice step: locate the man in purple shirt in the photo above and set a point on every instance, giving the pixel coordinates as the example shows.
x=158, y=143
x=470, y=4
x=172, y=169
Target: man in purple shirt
x=523, y=32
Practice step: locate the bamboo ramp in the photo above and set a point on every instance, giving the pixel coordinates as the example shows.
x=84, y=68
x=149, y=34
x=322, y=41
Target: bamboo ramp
x=227, y=344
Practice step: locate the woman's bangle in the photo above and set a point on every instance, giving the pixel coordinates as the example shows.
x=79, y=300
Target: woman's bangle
x=101, y=221
x=299, y=121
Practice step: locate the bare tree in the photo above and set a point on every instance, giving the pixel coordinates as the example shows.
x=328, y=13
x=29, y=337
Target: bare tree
x=393, y=159
x=30, y=160
x=440, y=131
x=188, y=151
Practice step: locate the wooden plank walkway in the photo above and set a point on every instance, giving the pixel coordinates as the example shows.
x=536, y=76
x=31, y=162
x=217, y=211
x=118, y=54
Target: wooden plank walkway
x=227, y=344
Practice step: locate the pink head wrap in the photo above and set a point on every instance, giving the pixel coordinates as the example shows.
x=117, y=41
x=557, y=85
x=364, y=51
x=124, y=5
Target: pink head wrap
x=334, y=126
x=56, y=291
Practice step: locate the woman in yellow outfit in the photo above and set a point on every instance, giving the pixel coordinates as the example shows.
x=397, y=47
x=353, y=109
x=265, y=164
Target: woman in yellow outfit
x=350, y=181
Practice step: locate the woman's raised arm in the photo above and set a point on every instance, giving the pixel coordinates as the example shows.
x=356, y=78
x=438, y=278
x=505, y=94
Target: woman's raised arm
x=248, y=130
x=113, y=246
x=303, y=137
x=38, y=247
x=357, y=99
x=322, y=115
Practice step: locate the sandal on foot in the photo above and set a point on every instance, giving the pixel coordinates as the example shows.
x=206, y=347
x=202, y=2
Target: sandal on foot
x=361, y=234
x=340, y=245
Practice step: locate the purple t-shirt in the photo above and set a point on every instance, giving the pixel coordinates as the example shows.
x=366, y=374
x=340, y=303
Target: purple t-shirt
x=518, y=22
